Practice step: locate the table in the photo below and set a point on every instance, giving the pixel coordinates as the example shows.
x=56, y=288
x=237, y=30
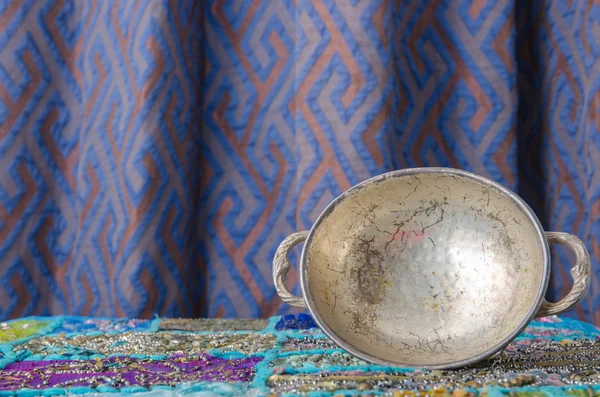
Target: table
x=282, y=356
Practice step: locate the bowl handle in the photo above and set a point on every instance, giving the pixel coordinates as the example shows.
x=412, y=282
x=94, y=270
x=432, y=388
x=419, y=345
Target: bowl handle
x=281, y=265
x=581, y=273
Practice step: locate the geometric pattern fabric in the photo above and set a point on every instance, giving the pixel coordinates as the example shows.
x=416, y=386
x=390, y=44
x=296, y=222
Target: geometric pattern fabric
x=155, y=153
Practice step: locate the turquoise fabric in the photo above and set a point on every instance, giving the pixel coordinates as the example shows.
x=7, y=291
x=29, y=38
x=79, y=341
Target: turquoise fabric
x=284, y=356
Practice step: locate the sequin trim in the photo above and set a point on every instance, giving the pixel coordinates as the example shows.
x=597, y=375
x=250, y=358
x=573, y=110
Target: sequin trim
x=150, y=344
x=286, y=356
x=120, y=372
x=212, y=325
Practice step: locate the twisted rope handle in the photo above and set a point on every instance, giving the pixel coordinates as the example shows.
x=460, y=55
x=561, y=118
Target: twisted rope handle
x=581, y=273
x=281, y=265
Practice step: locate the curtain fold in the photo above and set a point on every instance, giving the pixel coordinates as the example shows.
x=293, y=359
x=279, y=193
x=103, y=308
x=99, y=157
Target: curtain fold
x=153, y=154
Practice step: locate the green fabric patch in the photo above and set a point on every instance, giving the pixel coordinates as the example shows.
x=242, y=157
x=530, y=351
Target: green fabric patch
x=20, y=329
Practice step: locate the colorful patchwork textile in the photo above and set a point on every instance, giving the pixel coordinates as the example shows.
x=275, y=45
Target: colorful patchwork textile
x=284, y=356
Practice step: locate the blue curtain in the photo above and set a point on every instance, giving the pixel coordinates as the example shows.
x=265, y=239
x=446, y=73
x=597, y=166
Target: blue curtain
x=153, y=154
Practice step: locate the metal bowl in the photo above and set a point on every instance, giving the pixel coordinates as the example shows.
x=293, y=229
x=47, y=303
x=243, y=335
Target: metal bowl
x=429, y=267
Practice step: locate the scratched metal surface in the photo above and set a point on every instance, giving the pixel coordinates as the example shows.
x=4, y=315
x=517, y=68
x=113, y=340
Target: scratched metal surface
x=425, y=270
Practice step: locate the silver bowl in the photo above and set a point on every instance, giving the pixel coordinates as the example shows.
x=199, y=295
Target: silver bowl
x=427, y=267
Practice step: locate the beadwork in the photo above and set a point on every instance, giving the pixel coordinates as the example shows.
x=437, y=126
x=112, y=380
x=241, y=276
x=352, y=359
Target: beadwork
x=159, y=343
x=123, y=371
x=285, y=356
x=87, y=325
x=212, y=325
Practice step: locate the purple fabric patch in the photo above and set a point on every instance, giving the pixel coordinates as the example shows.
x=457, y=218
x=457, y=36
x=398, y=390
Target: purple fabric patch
x=124, y=371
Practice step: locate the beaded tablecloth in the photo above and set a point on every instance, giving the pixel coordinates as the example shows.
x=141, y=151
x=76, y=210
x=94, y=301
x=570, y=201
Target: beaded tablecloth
x=282, y=356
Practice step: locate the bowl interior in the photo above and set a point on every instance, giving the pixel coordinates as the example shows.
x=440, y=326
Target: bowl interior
x=426, y=269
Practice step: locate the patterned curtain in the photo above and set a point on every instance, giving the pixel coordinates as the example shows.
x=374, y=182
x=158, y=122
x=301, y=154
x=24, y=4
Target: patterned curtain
x=154, y=153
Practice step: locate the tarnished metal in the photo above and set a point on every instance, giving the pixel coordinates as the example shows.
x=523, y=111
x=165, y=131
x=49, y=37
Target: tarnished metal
x=427, y=267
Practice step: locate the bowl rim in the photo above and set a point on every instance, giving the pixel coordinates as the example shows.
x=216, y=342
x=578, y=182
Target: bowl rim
x=418, y=171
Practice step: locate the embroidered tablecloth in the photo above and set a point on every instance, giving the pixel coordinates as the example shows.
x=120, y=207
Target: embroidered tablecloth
x=282, y=356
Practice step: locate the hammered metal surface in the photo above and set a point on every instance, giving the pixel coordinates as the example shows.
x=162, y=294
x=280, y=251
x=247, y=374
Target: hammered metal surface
x=426, y=269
